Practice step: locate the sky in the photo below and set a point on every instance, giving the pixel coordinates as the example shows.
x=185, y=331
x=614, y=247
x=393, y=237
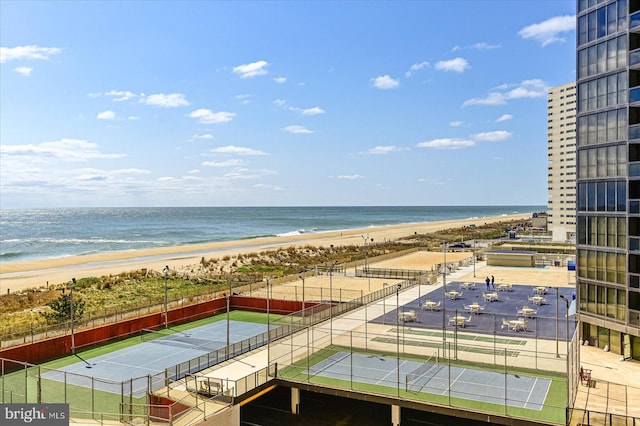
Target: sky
x=294, y=103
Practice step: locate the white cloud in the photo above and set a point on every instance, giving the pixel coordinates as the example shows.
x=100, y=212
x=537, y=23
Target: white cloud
x=133, y=118
x=27, y=52
x=385, y=82
x=63, y=149
x=495, y=136
x=244, y=173
x=312, y=111
x=416, y=67
x=504, y=117
x=251, y=70
x=280, y=103
x=245, y=99
x=447, y=143
x=381, y=150
x=491, y=99
x=206, y=116
x=280, y=79
x=457, y=65
x=534, y=88
x=350, y=177
x=549, y=31
x=296, y=129
x=106, y=115
x=193, y=171
x=237, y=150
x=25, y=71
x=456, y=124
x=120, y=95
x=271, y=187
x=477, y=46
x=203, y=136
x=226, y=163
x=171, y=100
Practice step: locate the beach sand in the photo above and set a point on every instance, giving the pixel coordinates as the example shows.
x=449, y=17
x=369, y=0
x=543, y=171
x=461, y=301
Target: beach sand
x=16, y=276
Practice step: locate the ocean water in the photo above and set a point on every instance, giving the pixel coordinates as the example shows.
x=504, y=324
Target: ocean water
x=28, y=234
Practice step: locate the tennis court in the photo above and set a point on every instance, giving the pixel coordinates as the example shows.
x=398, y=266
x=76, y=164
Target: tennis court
x=549, y=322
x=156, y=352
x=436, y=378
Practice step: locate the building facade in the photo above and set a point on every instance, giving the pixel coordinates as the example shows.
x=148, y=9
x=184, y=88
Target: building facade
x=608, y=180
x=561, y=171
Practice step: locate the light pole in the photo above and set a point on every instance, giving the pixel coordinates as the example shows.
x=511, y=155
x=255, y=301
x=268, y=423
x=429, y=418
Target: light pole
x=566, y=322
x=398, y=332
x=268, y=324
x=73, y=343
x=228, y=302
x=557, y=300
x=366, y=246
x=302, y=278
x=444, y=298
x=268, y=327
x=384, y=297
x=331, y=300
x=166, y=298
x=474, y=258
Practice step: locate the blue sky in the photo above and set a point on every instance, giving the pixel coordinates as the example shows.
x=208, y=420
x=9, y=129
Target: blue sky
x=279, y=103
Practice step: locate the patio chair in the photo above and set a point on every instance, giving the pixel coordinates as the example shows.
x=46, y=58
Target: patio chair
x=505, y=323
x=414, y=316
x=437, y=307
x=585, y=376
x=467, y=321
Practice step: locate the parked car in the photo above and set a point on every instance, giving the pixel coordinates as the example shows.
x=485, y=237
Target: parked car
x=460, y=245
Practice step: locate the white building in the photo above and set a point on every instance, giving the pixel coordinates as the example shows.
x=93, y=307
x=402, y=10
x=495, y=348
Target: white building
x=561, y=136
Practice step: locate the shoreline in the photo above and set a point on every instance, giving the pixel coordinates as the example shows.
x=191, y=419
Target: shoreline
x=20, y=275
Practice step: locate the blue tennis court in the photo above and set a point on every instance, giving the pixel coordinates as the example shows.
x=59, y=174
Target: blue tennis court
x=436, y=378
x=112, y=371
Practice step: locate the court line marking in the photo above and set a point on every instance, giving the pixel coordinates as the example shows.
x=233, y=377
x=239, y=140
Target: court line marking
x=455, y=380
x=394, y=370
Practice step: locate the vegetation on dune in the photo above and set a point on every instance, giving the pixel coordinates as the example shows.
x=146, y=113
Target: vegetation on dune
x=129, y=290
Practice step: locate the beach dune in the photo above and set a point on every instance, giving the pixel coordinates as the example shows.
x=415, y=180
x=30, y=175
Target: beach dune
x=17, y=276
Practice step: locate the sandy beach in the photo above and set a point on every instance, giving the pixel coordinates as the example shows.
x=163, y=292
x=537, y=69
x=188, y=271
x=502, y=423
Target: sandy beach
x=16, y=276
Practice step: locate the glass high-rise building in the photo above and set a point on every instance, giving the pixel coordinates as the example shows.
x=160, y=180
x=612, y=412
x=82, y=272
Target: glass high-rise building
x=608, y=167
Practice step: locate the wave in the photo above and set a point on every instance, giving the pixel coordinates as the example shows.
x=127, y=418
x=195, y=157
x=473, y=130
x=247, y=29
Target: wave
x=291, y=233
x=81, y=241
x=11, y=254
x=253, y=237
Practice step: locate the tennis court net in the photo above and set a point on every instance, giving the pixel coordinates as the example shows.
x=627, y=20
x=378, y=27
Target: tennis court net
x=417, y=379
x=180, y=339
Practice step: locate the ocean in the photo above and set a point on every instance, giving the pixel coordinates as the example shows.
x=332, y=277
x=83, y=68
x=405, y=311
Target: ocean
x=30, y=234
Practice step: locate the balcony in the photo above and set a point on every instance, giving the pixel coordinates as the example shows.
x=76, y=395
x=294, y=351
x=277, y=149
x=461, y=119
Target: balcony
x=634, y=58
x=634, y=169
x=634, y=22
x=634, y=95
x=634, y=132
